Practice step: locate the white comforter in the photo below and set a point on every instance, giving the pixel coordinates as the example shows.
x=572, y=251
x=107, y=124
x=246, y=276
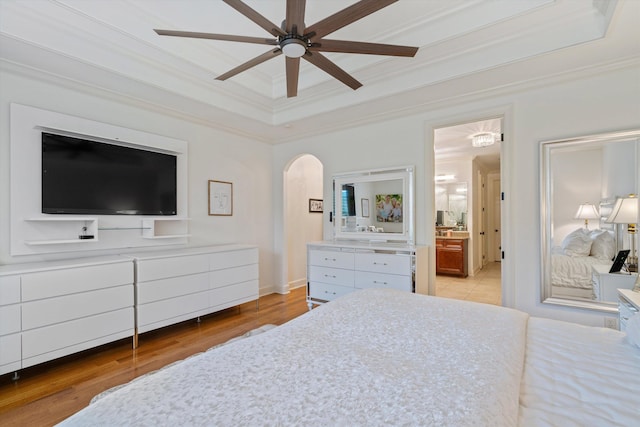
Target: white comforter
x=573, y=272
x=373, y=357
x=579, y=376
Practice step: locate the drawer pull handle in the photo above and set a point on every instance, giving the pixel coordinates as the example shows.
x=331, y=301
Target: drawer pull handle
x=379, y=283
x=327, y=292
x=330, y=259
x=379, y=263
x=329, y=275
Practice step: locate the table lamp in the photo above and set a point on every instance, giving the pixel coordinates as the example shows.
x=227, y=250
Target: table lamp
x=625, y=211
x=587, y=211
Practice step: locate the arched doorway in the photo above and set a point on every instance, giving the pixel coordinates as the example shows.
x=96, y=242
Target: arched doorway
x=302, y=183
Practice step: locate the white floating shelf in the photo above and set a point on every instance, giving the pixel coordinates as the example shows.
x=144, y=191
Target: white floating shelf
x=58, y=242
x=165, y=228
x=59, y=230
x=174, y=236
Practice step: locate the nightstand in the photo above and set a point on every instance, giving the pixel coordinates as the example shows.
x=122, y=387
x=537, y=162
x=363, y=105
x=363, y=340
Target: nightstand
x=628, y=305
x=605, y=284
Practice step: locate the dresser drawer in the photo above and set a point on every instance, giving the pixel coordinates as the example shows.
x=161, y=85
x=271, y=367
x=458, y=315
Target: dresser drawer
x=41, y=313
x=334, y=259
x=66, y=281
x=335, y=276
x=229, y=276
x=626, y=312
x=10, y=319
x=366, y=279
x=223, y=260
x=228, y=296
x=10, y=352
x=383, y=263
x=161, y=268
x=172, y=287
x=327, y=292
x=169, y=311
x=9, y=290
x=74, y=335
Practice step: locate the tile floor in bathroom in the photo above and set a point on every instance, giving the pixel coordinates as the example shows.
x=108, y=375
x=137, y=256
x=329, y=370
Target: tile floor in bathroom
x=484, y=287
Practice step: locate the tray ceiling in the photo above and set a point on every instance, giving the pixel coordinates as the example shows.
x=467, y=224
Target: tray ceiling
x=111, y=45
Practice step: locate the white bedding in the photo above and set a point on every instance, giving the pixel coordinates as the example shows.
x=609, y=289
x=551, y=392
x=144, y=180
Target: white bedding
x=573, y=272
x=385, y=357
x=579, y=376
x=373, y=357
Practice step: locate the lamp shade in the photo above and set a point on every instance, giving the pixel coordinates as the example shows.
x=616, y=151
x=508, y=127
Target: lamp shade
x=625, y=210
x=587, y=211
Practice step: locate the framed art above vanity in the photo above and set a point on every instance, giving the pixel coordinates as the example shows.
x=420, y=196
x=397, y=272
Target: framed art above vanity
x=583, y=181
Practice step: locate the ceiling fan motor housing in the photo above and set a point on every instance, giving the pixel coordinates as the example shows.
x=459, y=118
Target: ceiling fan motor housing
x=293, y=45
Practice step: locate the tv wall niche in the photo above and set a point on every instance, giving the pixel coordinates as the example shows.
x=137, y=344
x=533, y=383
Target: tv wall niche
x=84, y=220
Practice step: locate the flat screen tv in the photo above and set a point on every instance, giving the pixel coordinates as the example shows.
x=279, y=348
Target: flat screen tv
x=80, y=176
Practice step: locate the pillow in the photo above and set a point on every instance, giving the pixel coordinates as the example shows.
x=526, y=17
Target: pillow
x=603, y=246
x=577, y=243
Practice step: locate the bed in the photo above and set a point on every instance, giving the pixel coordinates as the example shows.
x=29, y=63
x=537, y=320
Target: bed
x=572, y=262
x=386, y=357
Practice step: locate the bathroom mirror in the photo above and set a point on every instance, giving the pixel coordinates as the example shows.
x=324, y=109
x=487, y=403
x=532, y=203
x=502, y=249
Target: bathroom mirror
x=581, y=179
x=451, y=205
x=374, y=205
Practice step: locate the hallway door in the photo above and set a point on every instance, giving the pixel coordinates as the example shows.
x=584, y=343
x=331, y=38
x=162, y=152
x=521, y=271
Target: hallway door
x=495, y=218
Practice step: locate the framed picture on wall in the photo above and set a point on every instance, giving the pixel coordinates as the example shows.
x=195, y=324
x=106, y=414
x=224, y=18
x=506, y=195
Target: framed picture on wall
x=365, y=207
x=315, y=205
x=220, y=198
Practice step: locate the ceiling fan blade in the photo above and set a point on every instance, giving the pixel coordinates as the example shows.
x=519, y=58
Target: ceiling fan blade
x=293, y=71
x=295, y=16
x=252, y=63
x=256, y=17
x=345, y=17
x=344, y=46
x=212, y=36
x=320, y=61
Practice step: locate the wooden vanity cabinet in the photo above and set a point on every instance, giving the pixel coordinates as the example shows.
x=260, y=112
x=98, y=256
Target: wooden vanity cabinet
x=451, y=256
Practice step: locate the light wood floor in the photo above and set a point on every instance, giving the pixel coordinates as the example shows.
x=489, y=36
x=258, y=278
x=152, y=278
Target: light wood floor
x=48, y=393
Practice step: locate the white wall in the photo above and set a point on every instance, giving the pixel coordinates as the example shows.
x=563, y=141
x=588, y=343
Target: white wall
x=303, y=182
x=577, y=105
x=577, y=179
x=213, y=154
x=589, y=103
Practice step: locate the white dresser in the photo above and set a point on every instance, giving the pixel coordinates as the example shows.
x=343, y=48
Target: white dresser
x=172, y=286
x=337, y=268
x=628, y=305
x=52, y=309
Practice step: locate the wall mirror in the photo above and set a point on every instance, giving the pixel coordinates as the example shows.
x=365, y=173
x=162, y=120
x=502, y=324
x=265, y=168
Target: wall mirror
x=581, y=180
x=451, y=205
x=374, y=205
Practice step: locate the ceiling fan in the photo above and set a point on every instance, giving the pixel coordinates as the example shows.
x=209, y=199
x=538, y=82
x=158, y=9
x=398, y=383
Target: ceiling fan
x=297, y=41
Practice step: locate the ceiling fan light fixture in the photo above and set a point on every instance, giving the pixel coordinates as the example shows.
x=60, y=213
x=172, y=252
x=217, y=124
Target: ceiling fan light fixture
x=483, y=139
x=293, y=47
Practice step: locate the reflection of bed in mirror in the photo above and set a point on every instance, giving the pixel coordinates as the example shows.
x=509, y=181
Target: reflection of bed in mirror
x=572, y=276
x=581, y=250
x=576, y=173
